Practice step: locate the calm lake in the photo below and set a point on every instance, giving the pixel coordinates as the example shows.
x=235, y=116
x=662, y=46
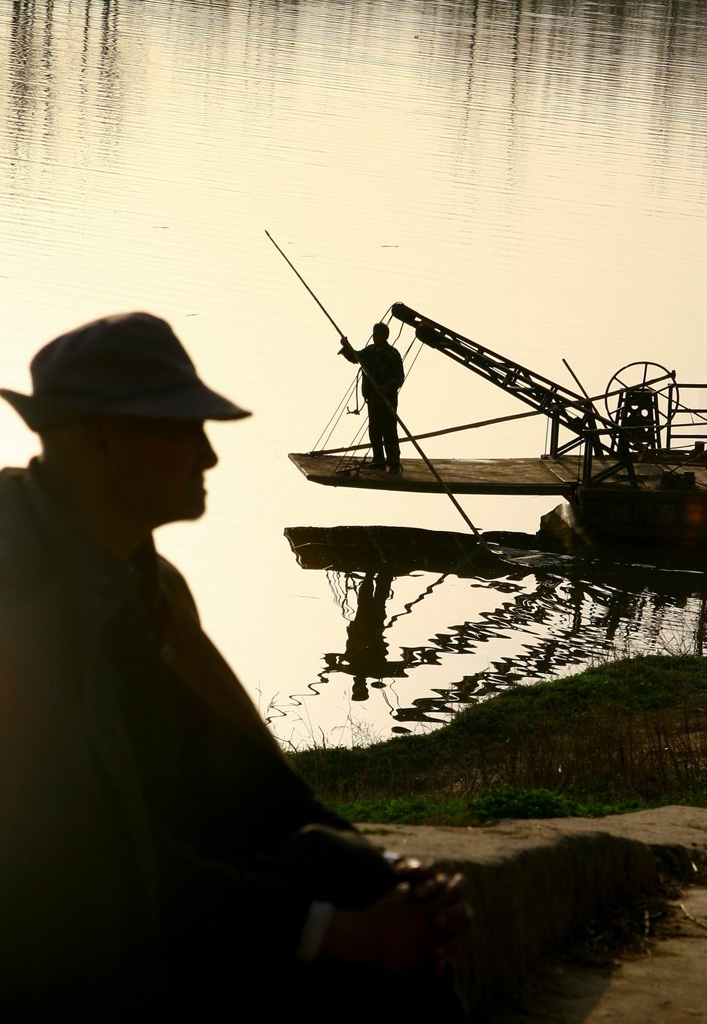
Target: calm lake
x=531, y=173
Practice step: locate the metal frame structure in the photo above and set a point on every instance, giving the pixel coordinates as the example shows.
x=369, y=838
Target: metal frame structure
x=597, y=434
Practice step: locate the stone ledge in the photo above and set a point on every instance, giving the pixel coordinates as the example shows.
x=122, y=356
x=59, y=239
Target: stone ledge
x=532, y=884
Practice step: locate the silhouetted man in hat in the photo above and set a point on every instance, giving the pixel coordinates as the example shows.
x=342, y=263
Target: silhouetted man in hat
x=158, y=853
x=383, y=377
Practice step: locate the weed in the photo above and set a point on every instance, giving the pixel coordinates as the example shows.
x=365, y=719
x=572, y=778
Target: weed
x=509, y=802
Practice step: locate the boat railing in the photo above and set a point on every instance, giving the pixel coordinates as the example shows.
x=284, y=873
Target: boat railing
x=686, y=426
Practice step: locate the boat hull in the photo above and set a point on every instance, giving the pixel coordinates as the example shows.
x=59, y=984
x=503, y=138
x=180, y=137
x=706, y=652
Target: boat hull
x=677, y=517
x=400, y=550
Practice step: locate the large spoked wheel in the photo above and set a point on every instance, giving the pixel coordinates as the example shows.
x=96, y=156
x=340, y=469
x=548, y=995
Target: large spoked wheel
x=643, y=398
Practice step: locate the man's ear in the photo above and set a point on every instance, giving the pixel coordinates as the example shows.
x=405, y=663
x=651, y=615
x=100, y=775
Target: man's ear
x=101, y=436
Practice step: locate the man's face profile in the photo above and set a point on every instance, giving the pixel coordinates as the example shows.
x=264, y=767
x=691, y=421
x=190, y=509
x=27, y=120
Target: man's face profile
x=157, y=466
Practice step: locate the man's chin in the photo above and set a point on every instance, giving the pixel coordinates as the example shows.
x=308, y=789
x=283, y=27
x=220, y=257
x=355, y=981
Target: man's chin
x=196, y=508
x=186, y=511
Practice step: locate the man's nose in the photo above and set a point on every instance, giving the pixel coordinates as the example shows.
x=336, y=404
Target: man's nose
x=207, y=456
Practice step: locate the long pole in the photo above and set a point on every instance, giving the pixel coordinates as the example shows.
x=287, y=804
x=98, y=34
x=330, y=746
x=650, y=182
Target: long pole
x=296, y=271
x=428, y=463
x=381, y=395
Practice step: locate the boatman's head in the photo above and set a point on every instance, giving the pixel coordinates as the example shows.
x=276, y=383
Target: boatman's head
x=119, y=400
x=380, y=334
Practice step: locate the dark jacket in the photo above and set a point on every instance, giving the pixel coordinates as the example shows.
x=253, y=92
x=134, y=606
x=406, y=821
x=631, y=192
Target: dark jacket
x=382, y=365
x=138, y=784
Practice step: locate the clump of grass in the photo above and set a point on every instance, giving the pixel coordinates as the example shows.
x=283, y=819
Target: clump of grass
x=628, y=733
x=509, y=802
x=410, y=810
x=488, y=806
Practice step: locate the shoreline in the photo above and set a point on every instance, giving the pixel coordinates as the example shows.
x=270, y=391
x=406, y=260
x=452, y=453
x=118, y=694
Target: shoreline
x=623, y=736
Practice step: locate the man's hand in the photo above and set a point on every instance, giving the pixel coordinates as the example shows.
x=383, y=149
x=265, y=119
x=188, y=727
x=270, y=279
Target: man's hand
x=406, y=930
x=348, y=352
x=421, y=874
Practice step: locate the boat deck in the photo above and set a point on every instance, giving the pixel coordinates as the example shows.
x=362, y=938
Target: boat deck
x=462, y=476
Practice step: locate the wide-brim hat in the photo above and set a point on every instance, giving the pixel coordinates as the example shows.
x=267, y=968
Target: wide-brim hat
x=130, y=364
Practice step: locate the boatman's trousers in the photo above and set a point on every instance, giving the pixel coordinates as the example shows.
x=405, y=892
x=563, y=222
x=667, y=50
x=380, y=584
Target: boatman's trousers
x=383, y=432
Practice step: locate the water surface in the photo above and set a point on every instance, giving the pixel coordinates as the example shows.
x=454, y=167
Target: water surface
x=531, y=173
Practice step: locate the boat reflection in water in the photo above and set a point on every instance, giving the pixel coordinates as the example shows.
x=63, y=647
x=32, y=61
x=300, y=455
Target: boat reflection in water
x=537, y=614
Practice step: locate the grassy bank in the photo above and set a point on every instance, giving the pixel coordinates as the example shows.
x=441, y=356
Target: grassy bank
x=620, y=736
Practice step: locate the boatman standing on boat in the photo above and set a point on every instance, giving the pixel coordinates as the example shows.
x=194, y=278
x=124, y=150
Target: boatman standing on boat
x=383, y=377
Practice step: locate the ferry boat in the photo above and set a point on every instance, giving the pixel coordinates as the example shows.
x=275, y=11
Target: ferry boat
x=630, y=463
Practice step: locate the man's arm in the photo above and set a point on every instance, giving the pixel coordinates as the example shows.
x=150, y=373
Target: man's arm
x=347, y=351
x=240, y=911
x=244, y=914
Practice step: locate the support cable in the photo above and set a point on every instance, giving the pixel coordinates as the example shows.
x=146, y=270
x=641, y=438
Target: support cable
x=335, y=418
